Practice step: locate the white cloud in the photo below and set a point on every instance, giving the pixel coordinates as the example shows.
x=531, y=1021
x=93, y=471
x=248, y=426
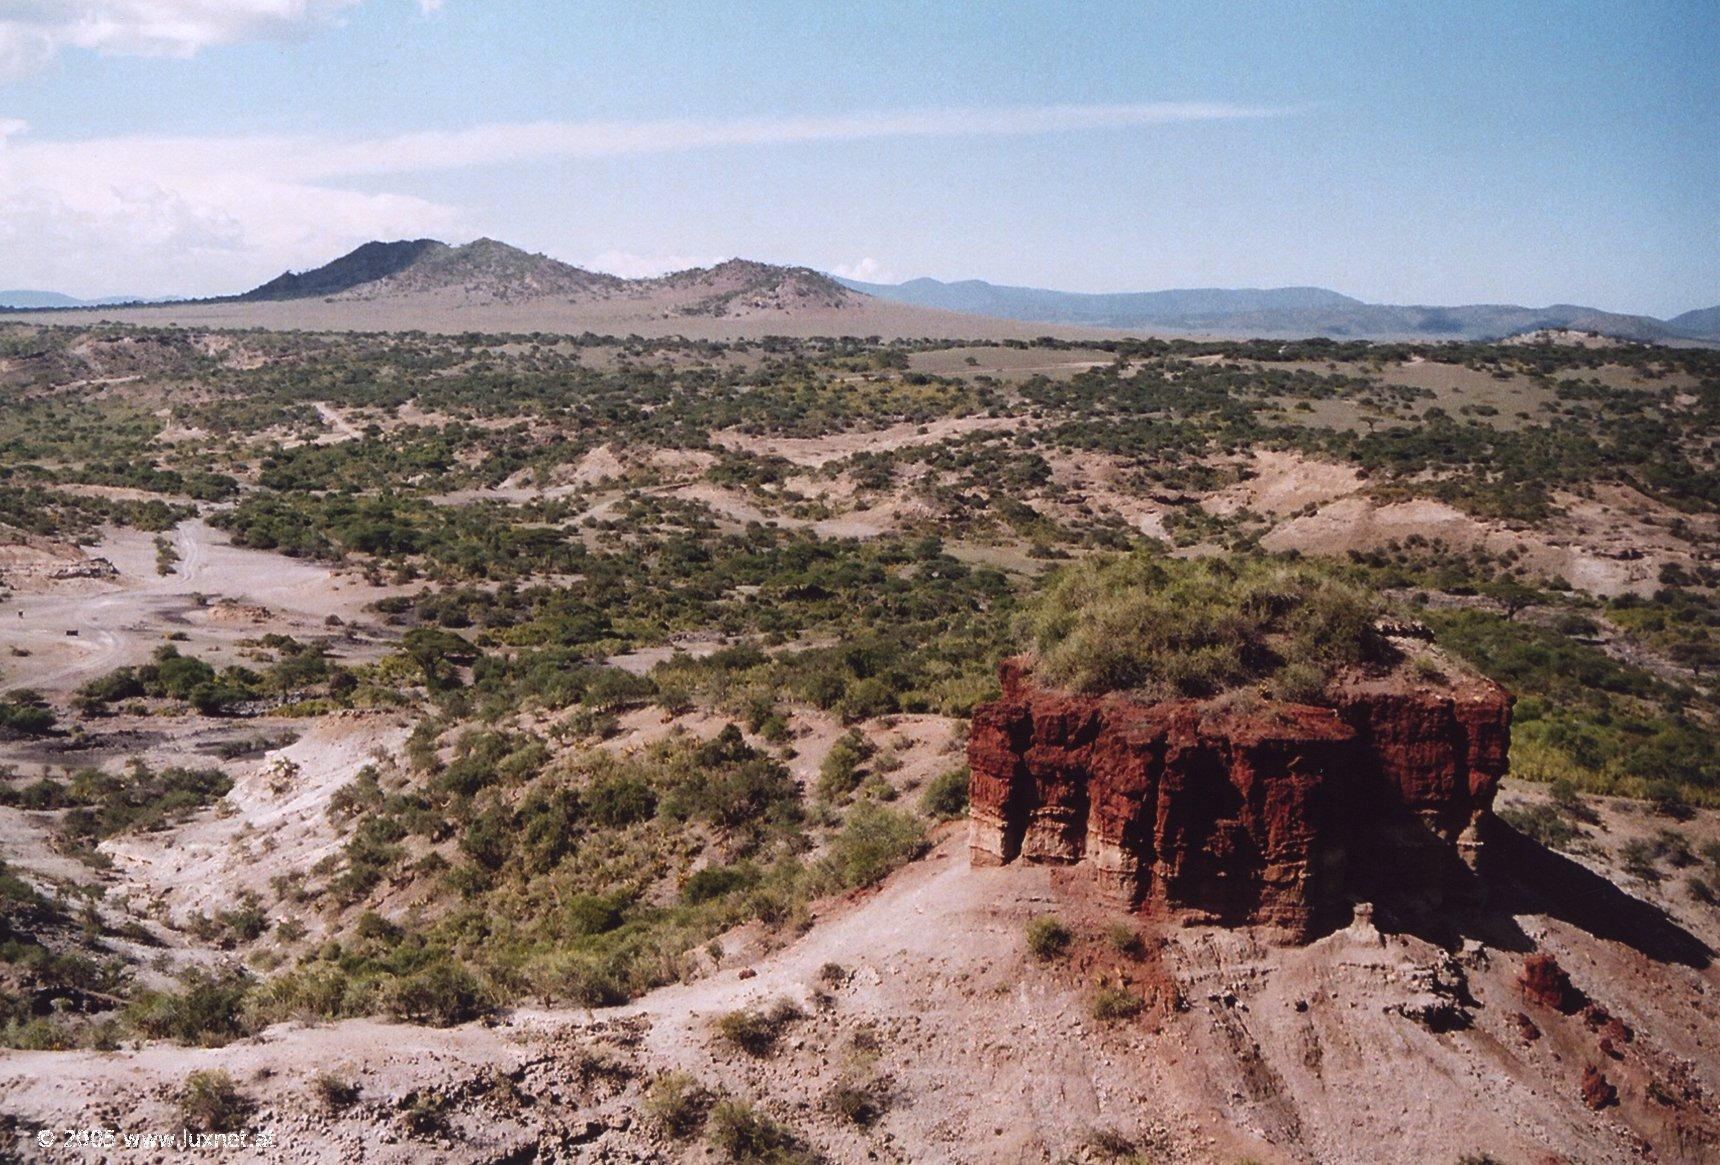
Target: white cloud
x=33, y=32
x=630, y=266
x=100, y=223
x=198, y=215
x=527, y=141
x=867, y=270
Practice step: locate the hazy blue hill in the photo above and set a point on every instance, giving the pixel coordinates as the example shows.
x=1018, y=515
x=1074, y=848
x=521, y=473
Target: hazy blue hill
x=38, y=299
x=56, y=299
x=1703, y=321
x=1278, y=312
x=1116, y=309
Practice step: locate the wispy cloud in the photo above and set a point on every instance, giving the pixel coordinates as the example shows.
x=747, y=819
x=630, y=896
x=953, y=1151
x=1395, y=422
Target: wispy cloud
x=34, y=32
x=186, y=213
x=305, y=158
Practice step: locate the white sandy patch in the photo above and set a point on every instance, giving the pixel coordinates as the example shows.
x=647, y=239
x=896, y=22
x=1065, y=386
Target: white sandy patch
x=1283, y=482
x=80, y=629
x=273, y=822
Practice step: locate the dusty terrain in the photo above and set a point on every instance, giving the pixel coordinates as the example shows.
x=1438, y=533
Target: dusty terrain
x=642, y=317
x=923, y=1027
x=924, y=990
x=63, y=632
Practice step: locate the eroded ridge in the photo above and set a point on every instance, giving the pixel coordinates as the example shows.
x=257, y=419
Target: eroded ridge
x=1265, y=813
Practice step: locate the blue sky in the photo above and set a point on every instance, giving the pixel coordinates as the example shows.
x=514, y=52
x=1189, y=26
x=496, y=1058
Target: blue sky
x=1405, y=153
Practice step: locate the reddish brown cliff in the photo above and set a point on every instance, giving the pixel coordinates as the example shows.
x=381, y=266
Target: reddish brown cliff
x=1280, y=814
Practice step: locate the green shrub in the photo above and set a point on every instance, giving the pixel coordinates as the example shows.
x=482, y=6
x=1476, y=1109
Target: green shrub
x=1171, y=627
x=1640, y=860
x=756, y=1032
x=334, y=1094
x=209, y=1010
x=839, y=775
x=946, y=795
x=1113, y=1004
x=1541, y=823
x=716, y=881
x=1125, y=940
x=210, y=1101
x=874, y=840
x=619, y=800
x=141, y=798
x=25, y=716
x=748, y=1137
x=677, y=1103
x=441, y=995
x=859, y=1102
x=1047, y=938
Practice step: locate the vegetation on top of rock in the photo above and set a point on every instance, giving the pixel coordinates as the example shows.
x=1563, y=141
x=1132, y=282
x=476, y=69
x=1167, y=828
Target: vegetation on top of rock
x=1172, y=628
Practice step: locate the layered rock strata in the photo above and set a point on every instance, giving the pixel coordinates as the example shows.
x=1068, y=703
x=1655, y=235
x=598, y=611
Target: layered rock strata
x=1275, y=814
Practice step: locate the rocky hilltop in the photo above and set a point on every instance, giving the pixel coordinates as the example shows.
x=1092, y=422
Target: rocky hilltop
x=1276, y=814
x=489, y=273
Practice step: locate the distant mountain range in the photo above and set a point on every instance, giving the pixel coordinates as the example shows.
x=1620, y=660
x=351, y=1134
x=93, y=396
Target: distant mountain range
x=35, y=299
x=1282, y=312
x=423, y=283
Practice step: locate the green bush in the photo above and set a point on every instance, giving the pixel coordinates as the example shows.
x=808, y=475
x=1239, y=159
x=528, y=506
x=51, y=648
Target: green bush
x=1047, y=938
x=1195, y=628
x=840, y=773
x=208, y=1010
x=441, y=995
x=677, y=1103
x=1125, y=940
x=210, y=1101
x=333, y=1093
x=619, y=799
x=1113, y=1004
x=140, y=798
x=946, y=795
x=1542, y=823
x=26, y=717
x=858, y=1102
x=756, y=1032
x=716, y=881
x=874, y=840
x=748, y=1137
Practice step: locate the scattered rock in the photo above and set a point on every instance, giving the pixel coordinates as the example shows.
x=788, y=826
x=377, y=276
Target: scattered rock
x=1598, y=1091
x=1544, y=982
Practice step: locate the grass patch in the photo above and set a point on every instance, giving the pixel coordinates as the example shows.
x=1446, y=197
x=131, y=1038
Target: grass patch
x=749, y=1137
x=1173, y=628
x=1048, y=938
x=757, y=1031
x=677, y=1104
x=210, y=1101
x=1114, y=1004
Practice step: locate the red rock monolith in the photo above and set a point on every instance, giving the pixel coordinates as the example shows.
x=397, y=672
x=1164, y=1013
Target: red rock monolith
x=1272, y=813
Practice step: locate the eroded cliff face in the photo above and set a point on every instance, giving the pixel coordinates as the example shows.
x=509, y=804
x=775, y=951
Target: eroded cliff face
x=1278, y=814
